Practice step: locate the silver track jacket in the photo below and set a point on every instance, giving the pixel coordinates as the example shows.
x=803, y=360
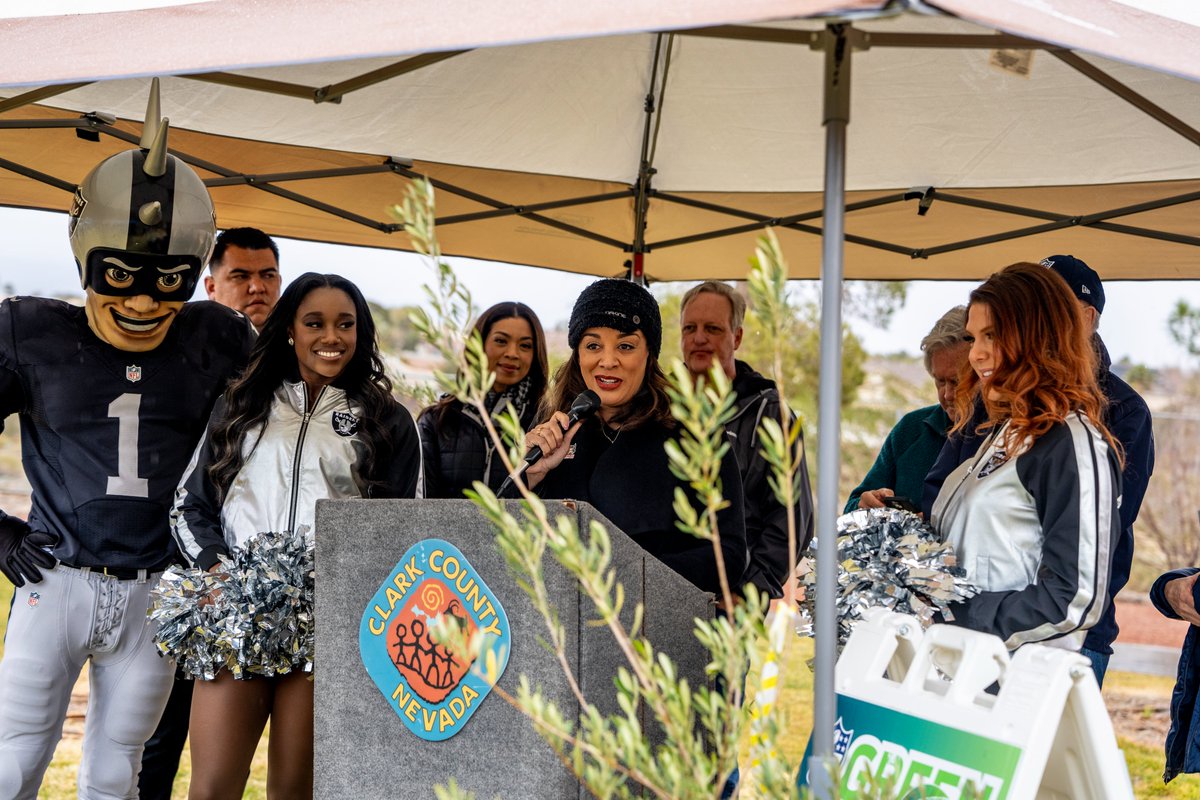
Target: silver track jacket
x=1037, y=532
x=301, y=455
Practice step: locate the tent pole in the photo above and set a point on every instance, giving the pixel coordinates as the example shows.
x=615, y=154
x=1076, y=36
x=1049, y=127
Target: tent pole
x=652, y=108
x=836, y=117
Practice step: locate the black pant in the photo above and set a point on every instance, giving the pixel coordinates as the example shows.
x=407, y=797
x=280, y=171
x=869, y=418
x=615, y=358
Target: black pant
x=160, y=759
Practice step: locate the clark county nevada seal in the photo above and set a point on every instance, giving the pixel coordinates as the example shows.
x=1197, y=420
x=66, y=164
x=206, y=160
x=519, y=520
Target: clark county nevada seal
x=432, y=690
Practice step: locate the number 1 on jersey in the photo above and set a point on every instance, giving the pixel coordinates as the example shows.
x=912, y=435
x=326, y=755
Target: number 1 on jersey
x=126, y=482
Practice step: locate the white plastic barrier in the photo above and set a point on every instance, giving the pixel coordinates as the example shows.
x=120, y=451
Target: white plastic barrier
x=914, y=709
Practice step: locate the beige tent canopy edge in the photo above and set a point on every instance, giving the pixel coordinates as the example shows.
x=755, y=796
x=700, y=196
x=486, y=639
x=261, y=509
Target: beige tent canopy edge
x=940, y=215
x=890, y=221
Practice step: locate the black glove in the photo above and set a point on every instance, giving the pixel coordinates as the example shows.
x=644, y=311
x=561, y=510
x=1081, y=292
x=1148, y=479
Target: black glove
x=21, y=552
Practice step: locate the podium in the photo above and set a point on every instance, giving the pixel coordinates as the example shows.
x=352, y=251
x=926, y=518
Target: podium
x=920, y=709
x=374, y=743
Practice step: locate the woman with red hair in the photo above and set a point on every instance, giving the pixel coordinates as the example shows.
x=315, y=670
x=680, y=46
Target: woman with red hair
x=1033, y=516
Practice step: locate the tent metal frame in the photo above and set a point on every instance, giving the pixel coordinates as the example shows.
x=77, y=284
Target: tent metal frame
x=642, y=191
x=838, y=41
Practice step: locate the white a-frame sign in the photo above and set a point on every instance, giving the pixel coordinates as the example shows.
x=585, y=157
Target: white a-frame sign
x=918, y=712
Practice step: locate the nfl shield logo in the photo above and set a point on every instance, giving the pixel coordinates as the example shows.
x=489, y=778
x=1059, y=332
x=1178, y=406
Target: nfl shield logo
x=842, y=737
x=133, y=373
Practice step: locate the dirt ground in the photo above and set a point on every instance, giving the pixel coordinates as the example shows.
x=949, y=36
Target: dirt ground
x=1143, y=715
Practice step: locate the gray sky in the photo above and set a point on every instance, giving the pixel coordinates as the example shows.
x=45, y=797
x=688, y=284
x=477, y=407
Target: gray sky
x=36, y=259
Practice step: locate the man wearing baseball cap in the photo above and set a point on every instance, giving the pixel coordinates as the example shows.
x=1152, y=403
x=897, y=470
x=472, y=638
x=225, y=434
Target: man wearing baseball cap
x=1127, y=418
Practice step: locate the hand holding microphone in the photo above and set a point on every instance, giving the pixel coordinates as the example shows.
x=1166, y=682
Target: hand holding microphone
x=549, y=441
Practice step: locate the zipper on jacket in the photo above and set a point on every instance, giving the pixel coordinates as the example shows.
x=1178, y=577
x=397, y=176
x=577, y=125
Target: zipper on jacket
x=308, y=412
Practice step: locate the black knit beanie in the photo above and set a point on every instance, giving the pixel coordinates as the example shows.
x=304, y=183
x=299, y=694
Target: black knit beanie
x=618, y=304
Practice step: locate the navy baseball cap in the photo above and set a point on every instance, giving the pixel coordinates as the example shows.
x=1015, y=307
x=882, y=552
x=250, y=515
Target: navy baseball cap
x=1082, y=279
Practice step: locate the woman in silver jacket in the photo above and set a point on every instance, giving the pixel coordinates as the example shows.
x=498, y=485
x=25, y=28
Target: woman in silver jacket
x=313, y=417
x=1033, y=516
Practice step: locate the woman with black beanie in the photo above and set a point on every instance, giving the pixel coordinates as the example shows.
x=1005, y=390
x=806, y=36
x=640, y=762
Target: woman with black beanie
x=616, y=460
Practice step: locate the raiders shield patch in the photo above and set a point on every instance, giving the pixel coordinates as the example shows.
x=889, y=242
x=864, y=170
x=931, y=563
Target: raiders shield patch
x=434, y=691
x=994, y=463
x=345, y=423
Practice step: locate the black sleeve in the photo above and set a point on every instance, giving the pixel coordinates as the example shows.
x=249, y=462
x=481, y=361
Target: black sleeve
x=1133, y=428
x=731, y=521
x=12, y=388
x=196, y=515
x=401, y=475
x=805, y=517
x=1158, y=592
x=1071, y=474
x=431, y=453
x=768, y=567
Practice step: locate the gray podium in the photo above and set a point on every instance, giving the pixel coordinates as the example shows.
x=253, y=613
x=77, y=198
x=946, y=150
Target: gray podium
x=364, y=750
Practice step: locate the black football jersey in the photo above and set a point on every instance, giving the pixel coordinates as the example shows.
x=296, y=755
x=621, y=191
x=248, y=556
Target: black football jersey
x=106, y=434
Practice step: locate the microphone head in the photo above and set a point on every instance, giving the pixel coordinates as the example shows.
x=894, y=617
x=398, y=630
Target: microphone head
x=584, y=405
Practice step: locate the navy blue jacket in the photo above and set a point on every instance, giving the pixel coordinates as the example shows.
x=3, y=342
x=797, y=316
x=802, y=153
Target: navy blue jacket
x=1183, y=749
x=1128, y=420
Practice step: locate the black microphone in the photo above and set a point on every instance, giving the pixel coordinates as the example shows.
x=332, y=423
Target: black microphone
x=582, y=407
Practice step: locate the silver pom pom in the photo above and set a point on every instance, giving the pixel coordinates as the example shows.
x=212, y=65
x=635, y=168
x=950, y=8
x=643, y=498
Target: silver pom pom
x=891, y=559
x=253, y=616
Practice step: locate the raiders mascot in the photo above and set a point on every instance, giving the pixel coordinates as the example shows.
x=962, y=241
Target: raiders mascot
x=112, y=399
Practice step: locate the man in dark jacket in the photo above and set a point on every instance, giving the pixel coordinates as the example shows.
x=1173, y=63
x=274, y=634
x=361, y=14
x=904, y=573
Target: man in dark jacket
x=711, y=317
x=1127, y=418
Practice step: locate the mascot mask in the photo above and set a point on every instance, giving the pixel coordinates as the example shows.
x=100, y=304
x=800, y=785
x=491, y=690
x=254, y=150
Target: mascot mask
x=142, y=228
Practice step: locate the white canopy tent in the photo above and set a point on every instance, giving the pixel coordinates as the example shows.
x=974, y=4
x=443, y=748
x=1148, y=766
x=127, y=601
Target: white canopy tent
x=545, y=152
x=562, y=135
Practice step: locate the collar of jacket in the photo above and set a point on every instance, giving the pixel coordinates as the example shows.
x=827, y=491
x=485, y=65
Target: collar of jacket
x=515, y=396
x=296, y=396
x=939, y=420
x=750, y=387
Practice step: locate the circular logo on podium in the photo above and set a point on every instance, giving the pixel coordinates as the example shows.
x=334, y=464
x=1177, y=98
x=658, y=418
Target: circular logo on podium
x=432, y=688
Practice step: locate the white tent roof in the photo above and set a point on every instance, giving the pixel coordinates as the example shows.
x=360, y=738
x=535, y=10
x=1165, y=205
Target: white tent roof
x=241, y=34
x=166, y=39
x=539, y=146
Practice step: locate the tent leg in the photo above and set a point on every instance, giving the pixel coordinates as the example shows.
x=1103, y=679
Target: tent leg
x=836, y=117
